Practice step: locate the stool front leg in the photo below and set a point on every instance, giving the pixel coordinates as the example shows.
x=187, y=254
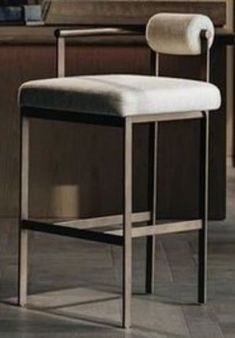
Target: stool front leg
x=23, y=213
x=127, y=245
x=150, y=245
x=202, y=259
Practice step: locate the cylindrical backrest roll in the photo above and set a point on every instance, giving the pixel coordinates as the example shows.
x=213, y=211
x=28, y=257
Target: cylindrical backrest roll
x=178, y=34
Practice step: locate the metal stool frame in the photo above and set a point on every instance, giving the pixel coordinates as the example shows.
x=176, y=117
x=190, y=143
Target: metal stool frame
x=82, y=228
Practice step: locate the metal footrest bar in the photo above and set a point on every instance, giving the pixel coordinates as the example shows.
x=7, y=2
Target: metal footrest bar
x=96, y=222
x=112, y=236
x=144, y=118
x=89, y=235
x=161, y=229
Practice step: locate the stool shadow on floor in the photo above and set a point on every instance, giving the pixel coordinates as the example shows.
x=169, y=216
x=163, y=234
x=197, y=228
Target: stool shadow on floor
x=101, y=308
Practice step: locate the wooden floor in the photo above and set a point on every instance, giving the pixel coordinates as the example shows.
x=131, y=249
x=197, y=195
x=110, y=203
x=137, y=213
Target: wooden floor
x=75, y=286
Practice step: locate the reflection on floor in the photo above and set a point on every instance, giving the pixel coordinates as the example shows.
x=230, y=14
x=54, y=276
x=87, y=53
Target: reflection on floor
x=75, y=286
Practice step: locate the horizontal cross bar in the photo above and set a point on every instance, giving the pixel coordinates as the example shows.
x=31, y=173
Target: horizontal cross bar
x=102, y=31
x=114, y=236
x=161, y=117
x=88, y=223
x=161, y=229
x=72, y=232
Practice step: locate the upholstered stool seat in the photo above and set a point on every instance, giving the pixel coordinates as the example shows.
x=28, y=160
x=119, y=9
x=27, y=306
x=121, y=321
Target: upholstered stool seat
x=121, y=95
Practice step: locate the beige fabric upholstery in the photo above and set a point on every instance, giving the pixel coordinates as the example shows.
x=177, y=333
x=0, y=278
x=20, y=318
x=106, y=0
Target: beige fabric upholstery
x=120, y=95
x=178, y=34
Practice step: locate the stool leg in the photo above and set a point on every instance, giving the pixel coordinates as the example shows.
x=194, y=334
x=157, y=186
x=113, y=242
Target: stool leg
x=23, y=214
x=127, y=246
x=202, y=261
x=150, y=245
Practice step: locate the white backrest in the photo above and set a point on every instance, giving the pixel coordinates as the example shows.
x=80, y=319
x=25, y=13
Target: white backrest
x=178, y=34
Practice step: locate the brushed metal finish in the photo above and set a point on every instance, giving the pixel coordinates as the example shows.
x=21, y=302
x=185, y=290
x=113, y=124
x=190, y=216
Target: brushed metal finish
x=88, y=223
x=74, y=33
x=150, y=247
x=161, y=229
x=60, y=57
x=90, y=235
x=127, y=224
x=166, y=117
x=151, y=242
x=203, y=233
x=23, y=214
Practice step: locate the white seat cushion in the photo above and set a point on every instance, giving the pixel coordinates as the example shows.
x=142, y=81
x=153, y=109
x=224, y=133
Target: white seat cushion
x=120, y=95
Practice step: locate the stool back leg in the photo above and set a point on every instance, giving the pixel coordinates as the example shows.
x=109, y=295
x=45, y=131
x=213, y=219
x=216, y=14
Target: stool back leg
x=127, y=246
x=202, y=260
x=150, y=245
x=23, y=212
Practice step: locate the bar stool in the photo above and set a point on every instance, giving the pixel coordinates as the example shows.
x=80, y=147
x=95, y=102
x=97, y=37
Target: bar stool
x=125, y=100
